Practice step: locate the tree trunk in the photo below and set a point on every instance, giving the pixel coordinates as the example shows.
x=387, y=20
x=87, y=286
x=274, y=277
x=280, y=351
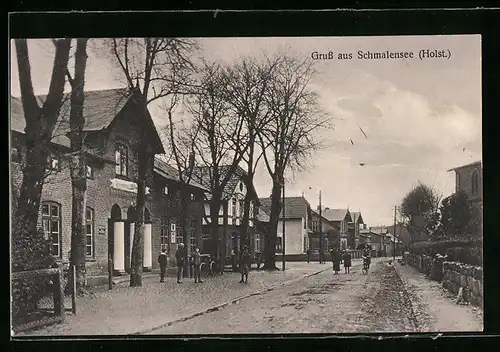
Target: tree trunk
x=137, y=249
x=78, y=233
x=270, y=247
x=184, y=223
x=78, y=174
x=26, y=217
x=215, y=204
x=40, y=124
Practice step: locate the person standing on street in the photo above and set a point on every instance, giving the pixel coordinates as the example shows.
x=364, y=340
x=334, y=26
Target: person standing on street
x=162, y=260
x=197, y=265
x=308, y=254
x=347, y=261
x=245, y=262
x=336, y=260
x=180, y=258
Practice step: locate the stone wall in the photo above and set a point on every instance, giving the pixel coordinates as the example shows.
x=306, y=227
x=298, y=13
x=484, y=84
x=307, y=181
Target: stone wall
x=457, y=275
x=453, y=275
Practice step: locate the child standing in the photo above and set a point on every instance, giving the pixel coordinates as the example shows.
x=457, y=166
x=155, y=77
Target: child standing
x=347, y=261
x=245, y=262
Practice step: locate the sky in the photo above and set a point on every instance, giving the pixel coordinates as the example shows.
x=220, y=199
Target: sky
x=420, y=117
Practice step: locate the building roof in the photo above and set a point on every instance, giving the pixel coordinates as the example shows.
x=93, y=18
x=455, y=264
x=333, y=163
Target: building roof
x=336, y=214
x=99, y=110
x=356, y=216
x=169, y=172
x=295, y=207
x=466, y=165
x=316, y=212
x=203, y=176
x=262, y=216
x=379, y=229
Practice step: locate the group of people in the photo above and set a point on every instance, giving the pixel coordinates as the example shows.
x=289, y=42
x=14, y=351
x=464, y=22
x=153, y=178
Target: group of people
x=180, y=258
x=345, y=256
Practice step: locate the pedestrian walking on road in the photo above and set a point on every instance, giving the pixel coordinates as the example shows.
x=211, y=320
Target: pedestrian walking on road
x=180, y=258
x=347, y=261
x=162, y=260
x=197, y=265
x=245, y=262
x=336, y=260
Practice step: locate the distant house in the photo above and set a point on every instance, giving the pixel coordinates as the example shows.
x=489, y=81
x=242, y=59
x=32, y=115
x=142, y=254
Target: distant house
x=378, y=239
x=469, y=178
x=339, y=218
x=234, y=194
x=402, y=234
x=330, y=231
x=353, y=230
x=298, y=222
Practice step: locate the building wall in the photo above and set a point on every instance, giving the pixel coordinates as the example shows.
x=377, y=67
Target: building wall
x=295, y=234
x=463, y=182
x=463, y=177
x=101, y=195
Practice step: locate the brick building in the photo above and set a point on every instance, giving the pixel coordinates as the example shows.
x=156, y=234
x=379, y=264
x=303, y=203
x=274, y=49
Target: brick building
x=115, y=119
x=357, y=223
x=330, y=231
x=340, y=218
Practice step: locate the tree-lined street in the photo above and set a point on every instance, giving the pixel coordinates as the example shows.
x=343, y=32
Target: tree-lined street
x=306, y=298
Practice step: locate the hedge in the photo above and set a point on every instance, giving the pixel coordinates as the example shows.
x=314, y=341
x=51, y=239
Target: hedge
x=464, y=251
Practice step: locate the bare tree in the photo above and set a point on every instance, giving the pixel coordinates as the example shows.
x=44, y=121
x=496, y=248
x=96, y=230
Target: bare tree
x=221, y=140
x=181, y=144
x=40, y=125
x=77, y=166
x=290, y=135
x=246, y=88
x=157, y=68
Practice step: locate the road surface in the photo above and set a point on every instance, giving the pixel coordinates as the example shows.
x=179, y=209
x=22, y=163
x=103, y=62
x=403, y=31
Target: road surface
x=324, y=303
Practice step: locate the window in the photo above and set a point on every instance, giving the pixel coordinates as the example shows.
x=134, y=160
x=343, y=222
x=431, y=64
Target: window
x=89, y=231
x=89, y=172
x=51, y=223
x=251, y=211
x=241, y=186
x=192, y=197
x=53, y=163
x=165, y=190
x=178, y=230
x=257, y=243
x=121, y=159
x=475, y=183
x=279, y=246
x=233, y=207
x=164, y=235
x=15, y=155
x=192, y=234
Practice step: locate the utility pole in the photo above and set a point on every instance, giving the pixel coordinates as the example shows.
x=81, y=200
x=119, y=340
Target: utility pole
x=283, y=237
x=320, y=230
x=394, y=237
